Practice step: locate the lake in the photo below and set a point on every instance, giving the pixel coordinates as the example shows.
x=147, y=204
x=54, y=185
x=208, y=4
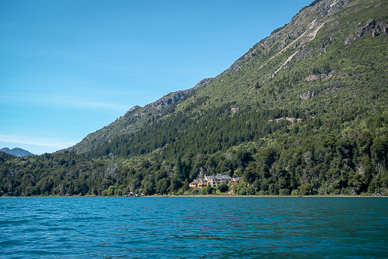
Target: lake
x=193, y=227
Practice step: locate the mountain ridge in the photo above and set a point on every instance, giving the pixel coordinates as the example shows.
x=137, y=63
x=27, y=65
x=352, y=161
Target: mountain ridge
x=133, y=123
x=283, y=54
x=135, y=118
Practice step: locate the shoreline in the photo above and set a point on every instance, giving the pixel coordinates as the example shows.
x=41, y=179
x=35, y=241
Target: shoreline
x=206, y=196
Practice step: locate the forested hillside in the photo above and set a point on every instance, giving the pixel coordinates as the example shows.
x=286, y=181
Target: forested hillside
x=303, y=112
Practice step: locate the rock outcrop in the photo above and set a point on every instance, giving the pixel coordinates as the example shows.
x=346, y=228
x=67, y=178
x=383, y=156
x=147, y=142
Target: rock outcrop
x=372, y=28
x=307, y=95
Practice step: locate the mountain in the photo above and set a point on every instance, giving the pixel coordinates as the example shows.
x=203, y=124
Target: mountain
x=133, y=120
x=303, y=112
x=18, y=152
x=268, y=72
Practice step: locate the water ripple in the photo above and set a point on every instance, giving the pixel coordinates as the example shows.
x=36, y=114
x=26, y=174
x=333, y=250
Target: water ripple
x=193, y=227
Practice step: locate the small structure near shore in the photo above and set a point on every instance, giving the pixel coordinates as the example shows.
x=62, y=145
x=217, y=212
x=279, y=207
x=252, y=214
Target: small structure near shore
x=131, y=194
x=213, y=181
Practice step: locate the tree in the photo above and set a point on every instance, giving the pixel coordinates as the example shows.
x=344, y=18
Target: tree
x=162, y=186
x=223, y=187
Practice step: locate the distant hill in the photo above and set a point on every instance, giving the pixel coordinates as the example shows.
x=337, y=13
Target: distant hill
x=19, y=152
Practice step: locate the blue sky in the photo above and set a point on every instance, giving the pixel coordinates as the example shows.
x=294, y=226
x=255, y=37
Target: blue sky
x=70, y=67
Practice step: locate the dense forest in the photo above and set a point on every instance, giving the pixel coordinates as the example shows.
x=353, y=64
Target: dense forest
x=304, y=112
x=302, y=164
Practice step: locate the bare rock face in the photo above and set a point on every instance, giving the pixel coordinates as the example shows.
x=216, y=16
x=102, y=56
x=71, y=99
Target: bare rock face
x=166, y=100
x=314, y=77
x=307, y=95
x=203, y=83
x=234, y=109
x=176, y=97
x=289, y=119
x=372, y=28
x=302, y=28
x=132, y=110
